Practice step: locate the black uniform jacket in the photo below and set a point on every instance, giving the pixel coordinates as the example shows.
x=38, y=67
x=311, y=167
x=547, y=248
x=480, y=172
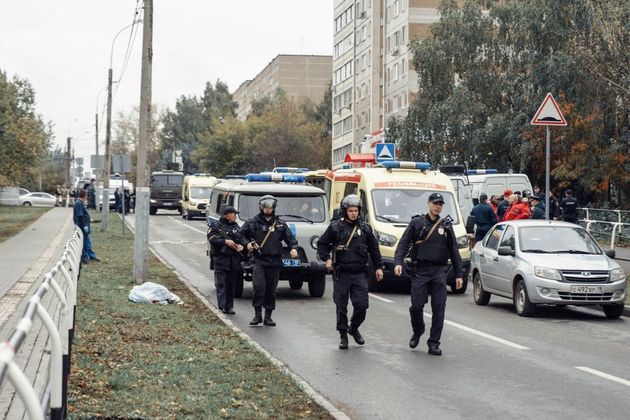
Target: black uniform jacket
x=413, y=233
x=338, y=233
x=225, y=258
x=255, y=230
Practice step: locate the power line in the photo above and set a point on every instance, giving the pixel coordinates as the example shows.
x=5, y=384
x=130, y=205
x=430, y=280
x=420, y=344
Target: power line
x=130, y=43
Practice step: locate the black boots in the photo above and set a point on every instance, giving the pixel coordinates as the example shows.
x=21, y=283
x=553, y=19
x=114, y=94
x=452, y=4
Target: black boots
x=343, y=343
x=417, y=324
x=434, y=349
x=257, y=316
x=358, y=338
x=268, y=321
x=414, y=340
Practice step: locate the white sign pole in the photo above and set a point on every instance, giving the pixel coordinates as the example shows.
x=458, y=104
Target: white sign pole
x=547, y=171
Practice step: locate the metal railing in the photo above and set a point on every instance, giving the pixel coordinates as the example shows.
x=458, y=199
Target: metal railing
x=608, y=225
x=53, y=402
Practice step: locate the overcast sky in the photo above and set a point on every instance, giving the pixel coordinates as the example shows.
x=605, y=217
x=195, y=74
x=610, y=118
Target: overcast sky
x=63, y=48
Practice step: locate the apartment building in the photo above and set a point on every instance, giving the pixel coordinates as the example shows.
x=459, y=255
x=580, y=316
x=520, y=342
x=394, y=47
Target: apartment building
x=300, y=76
x=373, y=77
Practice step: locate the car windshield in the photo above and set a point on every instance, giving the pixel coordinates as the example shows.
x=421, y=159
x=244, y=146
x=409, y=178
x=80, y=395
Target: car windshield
x=291, y=208
x=400, y=205
x=556, y=240
x=166, y=180
x=200, y=192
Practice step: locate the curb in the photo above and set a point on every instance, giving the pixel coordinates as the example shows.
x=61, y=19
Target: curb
x=305, y=386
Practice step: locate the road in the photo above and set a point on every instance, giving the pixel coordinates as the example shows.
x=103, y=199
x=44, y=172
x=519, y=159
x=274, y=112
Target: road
x=565, y=363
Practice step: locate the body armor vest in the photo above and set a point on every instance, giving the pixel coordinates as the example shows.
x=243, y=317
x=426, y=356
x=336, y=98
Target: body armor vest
x=273, y=245
x=355, y=255
x=434, y=249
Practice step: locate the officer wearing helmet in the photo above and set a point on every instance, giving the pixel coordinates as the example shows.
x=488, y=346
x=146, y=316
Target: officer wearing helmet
x=263, y=235
x=432, y=242
x=351, y=241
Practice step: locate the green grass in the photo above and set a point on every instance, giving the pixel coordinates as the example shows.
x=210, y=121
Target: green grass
x=13, y=219
x=172, y=361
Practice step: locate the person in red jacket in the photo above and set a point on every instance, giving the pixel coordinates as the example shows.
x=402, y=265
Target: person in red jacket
x=517, y=210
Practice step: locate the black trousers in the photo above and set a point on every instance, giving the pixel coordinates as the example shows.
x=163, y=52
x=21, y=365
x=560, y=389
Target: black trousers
x=265, y=282
x=429, y=280
x=224, y=281
x=352, y=285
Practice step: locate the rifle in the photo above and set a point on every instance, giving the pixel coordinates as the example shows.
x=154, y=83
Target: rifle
x=224, y=235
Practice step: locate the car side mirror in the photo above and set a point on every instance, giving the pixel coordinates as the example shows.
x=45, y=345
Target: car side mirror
x=506, y=250
x=610, y=253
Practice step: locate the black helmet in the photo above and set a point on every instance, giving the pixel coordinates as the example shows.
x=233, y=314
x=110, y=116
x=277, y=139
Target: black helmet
x=267, y=202
x=348, y=201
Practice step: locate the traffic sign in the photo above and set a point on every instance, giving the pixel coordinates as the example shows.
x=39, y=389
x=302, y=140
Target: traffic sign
x=549, y=113
x=385, y=152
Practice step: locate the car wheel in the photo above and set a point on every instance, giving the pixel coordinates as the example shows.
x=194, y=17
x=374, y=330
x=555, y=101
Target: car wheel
x=317, y=285
x=521, y=300
x=183, y=215
x=188, y=215
x=481, y=296
x=296, y=284
x=152, y=211
x=462, y=289
x=613, y=311
x=238, y=287
x=27, y=204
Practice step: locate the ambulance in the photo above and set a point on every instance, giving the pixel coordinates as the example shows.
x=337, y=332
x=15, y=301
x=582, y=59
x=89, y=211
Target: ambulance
x=391, y=194
x=491, y=182
x=195, y=194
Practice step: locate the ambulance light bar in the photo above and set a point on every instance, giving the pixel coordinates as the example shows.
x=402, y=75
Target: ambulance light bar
x=274, y=177
x=481, y=171
x=391, y=164
x=287, y=169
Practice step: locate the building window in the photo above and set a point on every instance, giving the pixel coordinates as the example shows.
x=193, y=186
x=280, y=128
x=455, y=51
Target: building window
x=340, y=154
x=343, y=46
x=396, y=71
x=343, y=19
x=342, y=100
x=342, y=127
x=404, y=67
x=342, y=73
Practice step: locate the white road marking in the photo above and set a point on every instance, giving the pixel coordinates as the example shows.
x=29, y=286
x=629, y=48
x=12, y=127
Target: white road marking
x=483, y=334
x=603, y=375
x=188, y=226
x=176, y=242
x=380, y=298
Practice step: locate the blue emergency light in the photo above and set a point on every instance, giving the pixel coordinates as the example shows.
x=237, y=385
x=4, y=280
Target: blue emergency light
x=391, y=164
x=481, y=171
x=287, y=169
x=274, y=177
x=346, y=166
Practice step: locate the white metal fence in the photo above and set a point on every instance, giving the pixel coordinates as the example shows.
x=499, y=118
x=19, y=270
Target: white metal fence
x=62, y=279
x=611, y=226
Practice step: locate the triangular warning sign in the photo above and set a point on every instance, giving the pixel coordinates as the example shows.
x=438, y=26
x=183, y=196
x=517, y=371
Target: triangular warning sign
x=385, y=154
x=549, y=113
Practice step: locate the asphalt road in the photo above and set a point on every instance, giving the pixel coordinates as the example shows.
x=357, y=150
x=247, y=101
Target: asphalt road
x=565, y=363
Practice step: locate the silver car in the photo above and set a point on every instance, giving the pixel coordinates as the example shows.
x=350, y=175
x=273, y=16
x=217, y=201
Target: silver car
x=37, y=199
x=539, y=262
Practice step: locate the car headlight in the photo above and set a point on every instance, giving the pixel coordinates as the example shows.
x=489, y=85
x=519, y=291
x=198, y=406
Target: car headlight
x=314, y=240
x=462, y=242
x=547, y=273
x=152, y=201
x=617, y=274
x=385, y=239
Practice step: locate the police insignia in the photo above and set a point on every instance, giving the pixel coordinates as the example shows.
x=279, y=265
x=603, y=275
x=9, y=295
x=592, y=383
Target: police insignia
x=441, y=231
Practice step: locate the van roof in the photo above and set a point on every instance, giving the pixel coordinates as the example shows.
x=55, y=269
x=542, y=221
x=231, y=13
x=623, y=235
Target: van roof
x=431, y=179
x=278, y=188
x=482, y=177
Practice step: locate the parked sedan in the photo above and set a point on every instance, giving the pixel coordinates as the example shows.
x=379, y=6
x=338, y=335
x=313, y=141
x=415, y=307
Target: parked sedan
x=37, y=199
x=539, y=262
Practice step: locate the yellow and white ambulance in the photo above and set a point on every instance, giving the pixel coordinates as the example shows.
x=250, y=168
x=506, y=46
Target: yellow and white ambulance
x=195, y=194
x=391, y=194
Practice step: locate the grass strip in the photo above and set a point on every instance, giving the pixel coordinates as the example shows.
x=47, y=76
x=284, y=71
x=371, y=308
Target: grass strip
x=13, y=219
x=135, y=360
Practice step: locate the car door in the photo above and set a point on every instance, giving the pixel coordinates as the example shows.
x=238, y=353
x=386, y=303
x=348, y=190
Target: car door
x=505, y=264
x=488, y=257
x=37, y=200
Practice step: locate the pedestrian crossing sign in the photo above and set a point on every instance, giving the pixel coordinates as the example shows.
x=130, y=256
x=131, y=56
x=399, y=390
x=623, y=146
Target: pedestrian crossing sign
x=385, y=152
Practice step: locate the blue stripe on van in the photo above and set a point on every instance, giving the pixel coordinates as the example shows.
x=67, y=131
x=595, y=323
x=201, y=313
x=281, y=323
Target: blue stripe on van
x=293, y=229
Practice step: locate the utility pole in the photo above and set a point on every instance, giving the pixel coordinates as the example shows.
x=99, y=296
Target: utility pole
x=96, y=173
x=108, y=132
x=66, y=165
x=143, y=191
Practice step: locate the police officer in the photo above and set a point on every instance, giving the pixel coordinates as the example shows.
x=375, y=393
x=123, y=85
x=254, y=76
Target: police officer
x=568, y=206
x=484, y=217
x=538, y=209
x=225, y=239
x=432, y=243
x=351, y=241
x=263, y=234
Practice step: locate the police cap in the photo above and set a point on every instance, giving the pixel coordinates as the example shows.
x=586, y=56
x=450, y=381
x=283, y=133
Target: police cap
x=436, y=198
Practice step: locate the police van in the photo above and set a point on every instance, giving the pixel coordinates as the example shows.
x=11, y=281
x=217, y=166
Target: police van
x=491, y=182
x=195, y=194
x=303, y=207
x=391, y=194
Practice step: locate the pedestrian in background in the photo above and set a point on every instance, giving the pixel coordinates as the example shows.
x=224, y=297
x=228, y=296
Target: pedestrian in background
x=494, y=203
x=351, y=241
x=503, y=204
x=432, y=242
x=81, y=218
x=537, y=208
x=568, y=206
x=554, y=207
x=484, y=217
x=225, y=240
x=263, y=234
x=517, y=210
x=117, y=200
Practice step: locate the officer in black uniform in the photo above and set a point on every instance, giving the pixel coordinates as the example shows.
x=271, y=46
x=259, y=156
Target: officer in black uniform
x=263, y=235
x=225, y=239
x=351, y=241
x=568, y=206
x=538, y=210
x=432, y=242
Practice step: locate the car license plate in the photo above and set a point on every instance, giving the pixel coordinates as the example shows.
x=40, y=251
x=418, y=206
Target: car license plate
x=290, y=262
x=587, y=289
x=168, y=204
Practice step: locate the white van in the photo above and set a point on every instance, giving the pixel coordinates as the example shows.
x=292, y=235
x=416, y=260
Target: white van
x=195, y=194
x=490, y=182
